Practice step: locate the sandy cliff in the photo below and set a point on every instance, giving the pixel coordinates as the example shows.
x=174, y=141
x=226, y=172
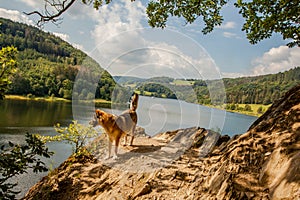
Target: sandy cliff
x=263, y=163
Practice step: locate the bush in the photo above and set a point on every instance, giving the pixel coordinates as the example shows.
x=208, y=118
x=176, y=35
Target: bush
x=76, y=134
x=248, y=108
x=260, y=110
x=232, y=106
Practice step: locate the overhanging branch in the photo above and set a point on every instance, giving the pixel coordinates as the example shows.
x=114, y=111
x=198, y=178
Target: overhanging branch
x=59, y=6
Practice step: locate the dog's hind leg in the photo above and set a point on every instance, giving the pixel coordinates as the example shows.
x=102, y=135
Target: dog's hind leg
x=125, y=140
x=109, y=149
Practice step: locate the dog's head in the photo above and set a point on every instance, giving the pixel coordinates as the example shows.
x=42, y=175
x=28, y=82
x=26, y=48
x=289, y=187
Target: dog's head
x=98, y=118
x=134, y=102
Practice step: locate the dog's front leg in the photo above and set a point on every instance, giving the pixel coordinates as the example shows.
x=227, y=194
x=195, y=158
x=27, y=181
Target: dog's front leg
x=116, y=148
x=116, y=152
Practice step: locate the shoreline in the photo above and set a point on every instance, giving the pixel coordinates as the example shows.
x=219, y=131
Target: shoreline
x=253, y=113
x=25, y=98
x=107, y=104
x=98, y=102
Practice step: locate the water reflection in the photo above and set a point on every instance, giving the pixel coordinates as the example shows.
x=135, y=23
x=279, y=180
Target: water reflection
x=17, y=113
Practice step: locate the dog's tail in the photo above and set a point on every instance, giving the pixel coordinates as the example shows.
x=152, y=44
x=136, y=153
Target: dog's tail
x=134, y=102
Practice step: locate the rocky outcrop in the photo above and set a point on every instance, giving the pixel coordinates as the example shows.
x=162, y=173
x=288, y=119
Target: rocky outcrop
x=194, y=163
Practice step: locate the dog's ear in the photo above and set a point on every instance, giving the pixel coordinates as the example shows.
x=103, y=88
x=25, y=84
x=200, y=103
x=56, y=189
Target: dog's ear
x=98, y=113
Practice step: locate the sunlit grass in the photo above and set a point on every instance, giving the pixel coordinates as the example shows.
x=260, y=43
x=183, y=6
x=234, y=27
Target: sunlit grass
x=50, y=99
x=53, y=99
x=253, y=112
x=182, y=82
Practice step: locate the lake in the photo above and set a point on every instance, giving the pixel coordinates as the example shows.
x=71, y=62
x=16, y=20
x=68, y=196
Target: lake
x=154, y=114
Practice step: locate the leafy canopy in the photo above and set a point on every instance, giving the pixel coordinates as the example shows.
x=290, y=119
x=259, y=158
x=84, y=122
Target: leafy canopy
x=159, y=11
x=265, y=17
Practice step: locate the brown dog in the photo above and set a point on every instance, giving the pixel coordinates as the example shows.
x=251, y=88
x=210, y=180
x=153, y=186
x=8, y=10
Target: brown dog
x=118, y=126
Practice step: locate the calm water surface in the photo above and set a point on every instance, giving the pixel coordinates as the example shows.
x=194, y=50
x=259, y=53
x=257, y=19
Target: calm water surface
x=155, y=115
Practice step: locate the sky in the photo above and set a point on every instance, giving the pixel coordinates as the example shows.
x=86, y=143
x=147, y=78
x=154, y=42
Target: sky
x=118, y=37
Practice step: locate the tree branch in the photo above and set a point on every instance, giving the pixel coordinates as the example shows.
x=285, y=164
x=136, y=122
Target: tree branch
x=60, y=8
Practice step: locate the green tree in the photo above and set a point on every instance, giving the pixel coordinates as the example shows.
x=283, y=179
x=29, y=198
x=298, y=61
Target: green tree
x=16, y=159
x=8, y=67
x=66, y=90
x=262, y=18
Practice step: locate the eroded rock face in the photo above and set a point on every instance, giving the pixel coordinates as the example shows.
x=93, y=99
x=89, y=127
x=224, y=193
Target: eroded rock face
x=263, y=163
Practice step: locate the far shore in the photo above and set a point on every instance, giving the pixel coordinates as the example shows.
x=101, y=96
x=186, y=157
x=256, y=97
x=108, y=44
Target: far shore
x=107, y=104
x=253, y=112
x=98, y=102
x=49, y=99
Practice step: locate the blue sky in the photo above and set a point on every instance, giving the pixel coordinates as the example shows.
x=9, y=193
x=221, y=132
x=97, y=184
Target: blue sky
x=118, y=37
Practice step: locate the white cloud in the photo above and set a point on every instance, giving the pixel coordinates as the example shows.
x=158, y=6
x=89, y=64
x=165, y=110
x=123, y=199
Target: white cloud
x=78, y=46
x=33, y=3
x=117, y=18
x=276, y=60
x=15, y=16
x=124, y=47
x=227, y=25
x=66, y=38
x=230, y=35
x=232, y=75
x=63, y=36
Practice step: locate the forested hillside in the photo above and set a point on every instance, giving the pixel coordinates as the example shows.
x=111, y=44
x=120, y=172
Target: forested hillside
x=48, y=66
x=263, y=89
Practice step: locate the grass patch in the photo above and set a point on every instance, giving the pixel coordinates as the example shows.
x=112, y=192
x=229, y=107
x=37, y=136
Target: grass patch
x=240, y=108
x=102, y=103
x=98, y=102
x=255, y=107
x=31, y=98
x=182, y=82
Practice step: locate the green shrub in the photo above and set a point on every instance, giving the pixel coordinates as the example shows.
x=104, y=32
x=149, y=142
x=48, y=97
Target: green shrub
x=248, y=108
x=260, y=110
x=75, y=134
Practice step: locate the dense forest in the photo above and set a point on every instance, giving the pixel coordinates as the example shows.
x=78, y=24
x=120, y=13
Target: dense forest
x=264, y=89
x=48, y=66
x=156, y=90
